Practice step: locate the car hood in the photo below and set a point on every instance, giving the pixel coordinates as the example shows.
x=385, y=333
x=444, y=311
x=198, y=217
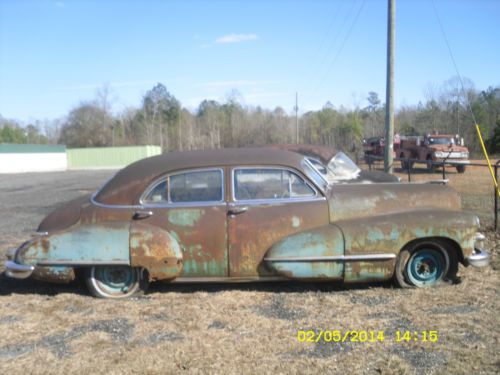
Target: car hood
x=64, y=216
x=350, y=201
x=368, y=177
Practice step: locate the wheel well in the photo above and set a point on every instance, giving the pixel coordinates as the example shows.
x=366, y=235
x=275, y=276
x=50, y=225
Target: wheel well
x=447, y=243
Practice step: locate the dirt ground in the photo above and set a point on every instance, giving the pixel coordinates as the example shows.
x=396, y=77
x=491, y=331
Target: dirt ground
x=244, y=328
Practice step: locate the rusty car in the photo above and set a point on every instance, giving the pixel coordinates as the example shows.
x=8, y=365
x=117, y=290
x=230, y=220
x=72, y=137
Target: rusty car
x=249, y=214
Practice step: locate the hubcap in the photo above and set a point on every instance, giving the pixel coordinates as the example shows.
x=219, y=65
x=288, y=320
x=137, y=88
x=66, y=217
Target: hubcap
x=425, y=267
x=115, y=279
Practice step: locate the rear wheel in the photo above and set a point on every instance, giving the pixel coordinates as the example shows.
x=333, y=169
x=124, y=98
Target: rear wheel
x=460, y=168
x=426, y=264
x=115, y=281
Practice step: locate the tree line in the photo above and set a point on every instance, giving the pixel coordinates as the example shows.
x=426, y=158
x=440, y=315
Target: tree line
x=160, y=119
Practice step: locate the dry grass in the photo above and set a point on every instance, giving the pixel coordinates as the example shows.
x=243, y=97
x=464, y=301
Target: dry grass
x=252, y=328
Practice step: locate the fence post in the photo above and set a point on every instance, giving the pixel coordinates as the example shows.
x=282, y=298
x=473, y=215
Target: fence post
x=408, y=167
x=495, y=193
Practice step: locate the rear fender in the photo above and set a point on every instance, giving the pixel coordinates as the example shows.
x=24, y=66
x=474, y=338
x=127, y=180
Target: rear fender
x=114, y=243
x=106, y=243
x=156, y=250
x=55, y=255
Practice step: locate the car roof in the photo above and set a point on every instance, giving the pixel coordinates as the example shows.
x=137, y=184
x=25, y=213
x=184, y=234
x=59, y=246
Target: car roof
x=130, y=182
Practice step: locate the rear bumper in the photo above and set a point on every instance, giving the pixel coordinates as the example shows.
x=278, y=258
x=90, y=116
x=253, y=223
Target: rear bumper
x=18, y=271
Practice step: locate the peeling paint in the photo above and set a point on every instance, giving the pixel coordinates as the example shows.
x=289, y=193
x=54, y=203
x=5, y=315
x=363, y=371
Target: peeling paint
x=184, y=217
x=296, y=221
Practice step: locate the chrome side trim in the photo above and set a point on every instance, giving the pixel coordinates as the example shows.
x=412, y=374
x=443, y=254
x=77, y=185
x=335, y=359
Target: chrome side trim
x=118, y=206
x=271, y=202
x=185, y=204
x=339, y=258
x=72, y=263
x=228, y=279
x=39, y=234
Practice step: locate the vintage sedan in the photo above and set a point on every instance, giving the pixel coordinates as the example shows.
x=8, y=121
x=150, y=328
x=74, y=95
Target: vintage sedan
x=249, y=214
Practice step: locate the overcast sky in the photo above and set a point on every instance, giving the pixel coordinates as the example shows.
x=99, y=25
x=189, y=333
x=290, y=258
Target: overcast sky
x=55, y=54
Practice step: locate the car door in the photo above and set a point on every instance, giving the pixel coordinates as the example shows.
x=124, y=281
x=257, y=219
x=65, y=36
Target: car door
x=191, y=206
x=267, y=204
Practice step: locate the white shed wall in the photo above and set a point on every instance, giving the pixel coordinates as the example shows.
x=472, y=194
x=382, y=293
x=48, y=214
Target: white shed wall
x=33, y=162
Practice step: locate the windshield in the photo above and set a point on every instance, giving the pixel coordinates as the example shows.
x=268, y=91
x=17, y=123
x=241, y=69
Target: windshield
x=340, y=167
x=343, y=167
x=441, y=141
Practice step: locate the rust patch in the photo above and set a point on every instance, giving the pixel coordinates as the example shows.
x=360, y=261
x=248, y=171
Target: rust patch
x=156, y=250
x=253, y=233
x=60, y=275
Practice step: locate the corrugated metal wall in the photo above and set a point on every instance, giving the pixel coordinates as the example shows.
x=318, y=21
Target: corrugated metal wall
x=108, y=157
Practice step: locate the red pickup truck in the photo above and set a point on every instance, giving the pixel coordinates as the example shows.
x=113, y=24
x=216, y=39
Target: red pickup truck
x=429, y=149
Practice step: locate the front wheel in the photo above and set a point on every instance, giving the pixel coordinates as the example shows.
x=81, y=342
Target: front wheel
x=460, y=168
x=426, y=264
x=115, y=281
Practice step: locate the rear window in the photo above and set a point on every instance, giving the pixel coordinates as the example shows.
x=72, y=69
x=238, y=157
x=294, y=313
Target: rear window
x=187, y=187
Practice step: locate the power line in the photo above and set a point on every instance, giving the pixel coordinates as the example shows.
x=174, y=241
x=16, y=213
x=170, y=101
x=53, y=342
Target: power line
x=339, y=51
x=329, y=30
x=335, y=38
x=452, y=58
x=313, y=73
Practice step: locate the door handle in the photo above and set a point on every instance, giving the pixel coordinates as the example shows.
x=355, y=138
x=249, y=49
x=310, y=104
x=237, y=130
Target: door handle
x=142, y=214
x=237, y=210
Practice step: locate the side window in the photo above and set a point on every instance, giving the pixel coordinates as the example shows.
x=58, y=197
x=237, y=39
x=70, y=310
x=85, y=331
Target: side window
x=269, y=183
x=196, y=186
x=298, y=187
x=201, y=186
x=159, y=193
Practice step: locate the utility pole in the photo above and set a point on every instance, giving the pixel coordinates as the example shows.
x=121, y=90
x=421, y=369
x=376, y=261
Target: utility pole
x=389, y=106
x=296, y=109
